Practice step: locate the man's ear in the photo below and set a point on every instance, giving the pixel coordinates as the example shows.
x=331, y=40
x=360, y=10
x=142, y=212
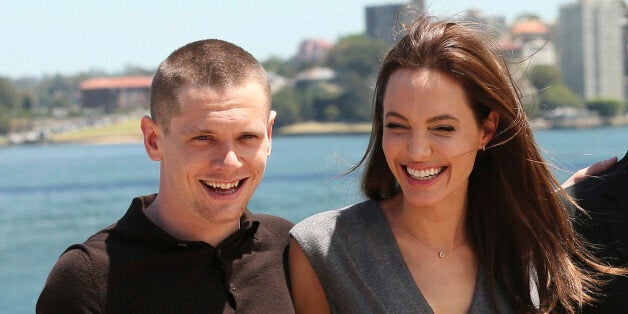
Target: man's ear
x=152, y=136
x=490, y=127
x=269, y=130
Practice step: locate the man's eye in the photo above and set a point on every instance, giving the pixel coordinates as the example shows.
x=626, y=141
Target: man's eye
x=202, y=138
x=248, y=136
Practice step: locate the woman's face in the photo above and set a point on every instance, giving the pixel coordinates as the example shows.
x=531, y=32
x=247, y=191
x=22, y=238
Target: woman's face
x=430, y=136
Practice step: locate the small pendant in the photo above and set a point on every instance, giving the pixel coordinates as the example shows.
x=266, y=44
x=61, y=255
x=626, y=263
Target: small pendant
x=441, y=253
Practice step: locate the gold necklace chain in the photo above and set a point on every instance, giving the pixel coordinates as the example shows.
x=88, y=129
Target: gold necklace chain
x=441, y=252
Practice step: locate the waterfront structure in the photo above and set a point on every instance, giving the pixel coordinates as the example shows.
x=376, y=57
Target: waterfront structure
x=313, y=76
x=113, y=93
x=493, y=25
x=312, y=51
x=381, y=20
x=591, y=48
x=534, y=38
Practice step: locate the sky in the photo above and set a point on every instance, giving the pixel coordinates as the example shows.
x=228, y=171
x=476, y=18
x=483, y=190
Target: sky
x=39, y=38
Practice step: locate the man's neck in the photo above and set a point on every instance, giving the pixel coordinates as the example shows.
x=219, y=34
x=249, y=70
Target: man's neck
x=187, y=228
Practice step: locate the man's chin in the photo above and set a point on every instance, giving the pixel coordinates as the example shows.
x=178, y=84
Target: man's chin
x=221, y=217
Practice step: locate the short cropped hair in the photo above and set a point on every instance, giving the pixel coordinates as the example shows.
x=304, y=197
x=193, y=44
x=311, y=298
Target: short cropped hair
x=209, y=63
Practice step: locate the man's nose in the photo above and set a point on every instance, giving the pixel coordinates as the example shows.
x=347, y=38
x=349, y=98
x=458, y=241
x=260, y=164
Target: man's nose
x=227, y=158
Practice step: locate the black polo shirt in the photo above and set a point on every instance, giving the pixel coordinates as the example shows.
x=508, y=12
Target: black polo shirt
x=134, y=266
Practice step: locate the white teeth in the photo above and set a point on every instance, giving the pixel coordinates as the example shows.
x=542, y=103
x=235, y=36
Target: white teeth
x=223, y=186
x=423, y=174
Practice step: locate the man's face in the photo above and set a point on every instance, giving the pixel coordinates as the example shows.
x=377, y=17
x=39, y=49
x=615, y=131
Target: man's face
x=215, y=153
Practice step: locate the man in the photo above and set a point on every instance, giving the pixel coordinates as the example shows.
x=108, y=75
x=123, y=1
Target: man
x=193, y=247
x=605, y=198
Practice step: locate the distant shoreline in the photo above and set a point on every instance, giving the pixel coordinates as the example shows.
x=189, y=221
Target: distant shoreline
x=128, y=131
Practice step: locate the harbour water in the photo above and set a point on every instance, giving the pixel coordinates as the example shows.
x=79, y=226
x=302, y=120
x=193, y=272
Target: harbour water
x=54, y=195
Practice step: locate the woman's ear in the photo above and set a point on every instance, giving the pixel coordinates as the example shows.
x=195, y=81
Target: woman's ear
x=490, y=127
x=152, y=134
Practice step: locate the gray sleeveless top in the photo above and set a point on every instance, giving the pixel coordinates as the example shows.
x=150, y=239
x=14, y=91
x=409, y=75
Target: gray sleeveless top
x=354, y=253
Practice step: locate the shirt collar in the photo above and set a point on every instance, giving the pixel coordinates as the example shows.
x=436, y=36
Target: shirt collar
x=141, y=233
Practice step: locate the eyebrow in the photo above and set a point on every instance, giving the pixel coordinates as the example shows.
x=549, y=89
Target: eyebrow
x=200, y=130
x=442, y=117
x=430, y=120
x=395, y=114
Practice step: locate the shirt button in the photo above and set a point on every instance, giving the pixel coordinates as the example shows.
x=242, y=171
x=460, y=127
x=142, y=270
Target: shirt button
x=219, y=252
x=232, y=287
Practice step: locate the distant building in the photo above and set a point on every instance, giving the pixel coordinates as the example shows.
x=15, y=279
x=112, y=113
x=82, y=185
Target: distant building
x=530, y=39
x=312, y=50
x=381, y=20
x=113, y=93
x=493, y=25
x=591, y=48
x=311, y=77
x=276, y=81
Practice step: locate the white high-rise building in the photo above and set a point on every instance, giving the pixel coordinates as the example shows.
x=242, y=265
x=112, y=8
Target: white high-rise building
x=590, y=46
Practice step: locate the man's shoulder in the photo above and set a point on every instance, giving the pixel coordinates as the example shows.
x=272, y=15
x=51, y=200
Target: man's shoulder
x=75, y=280
x=98, y=246
x=269, y=218
x=273, y=224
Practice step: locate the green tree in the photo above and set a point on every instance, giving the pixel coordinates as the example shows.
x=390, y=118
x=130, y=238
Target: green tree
x=59, y=91
x=355, y=59
x=286, y=103
x=10, y=101
x=605, y=107
x=531, y=109
x=278, y=65
x=323, y=98
x=544, y=76
x=559, y=95
x=356, y=53
x=5, y=120
x=356, y=102
x=134, y=70
x=9, y=94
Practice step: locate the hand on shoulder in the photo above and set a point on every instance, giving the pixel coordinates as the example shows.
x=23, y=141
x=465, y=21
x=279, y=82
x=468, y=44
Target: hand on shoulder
x=591, y=170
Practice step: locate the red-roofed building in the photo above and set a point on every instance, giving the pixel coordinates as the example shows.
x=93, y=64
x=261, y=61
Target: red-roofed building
x=113, y=93
x=529, y=29
x=529, y=39
x=312, y=50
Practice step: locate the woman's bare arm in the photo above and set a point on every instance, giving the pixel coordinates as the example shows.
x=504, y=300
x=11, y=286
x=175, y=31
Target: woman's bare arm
x=307, y=292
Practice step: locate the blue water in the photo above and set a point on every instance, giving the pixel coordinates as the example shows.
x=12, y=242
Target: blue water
x=54, y=195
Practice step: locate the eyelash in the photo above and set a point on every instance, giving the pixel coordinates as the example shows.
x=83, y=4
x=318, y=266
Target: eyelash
x=445, y=128
x=205, y=137
x=201, y=138
x=392, y=125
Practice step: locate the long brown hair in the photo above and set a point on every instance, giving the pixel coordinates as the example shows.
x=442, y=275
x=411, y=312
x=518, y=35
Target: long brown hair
x=521, y=231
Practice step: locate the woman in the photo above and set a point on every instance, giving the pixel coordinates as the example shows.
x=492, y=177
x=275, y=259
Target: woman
x=462, y=213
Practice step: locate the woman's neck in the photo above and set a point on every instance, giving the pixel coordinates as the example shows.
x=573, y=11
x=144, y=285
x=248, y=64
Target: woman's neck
x=440, y=225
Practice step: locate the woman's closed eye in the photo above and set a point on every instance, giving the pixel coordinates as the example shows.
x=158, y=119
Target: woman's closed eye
x=394, y=125
x=444, y=128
